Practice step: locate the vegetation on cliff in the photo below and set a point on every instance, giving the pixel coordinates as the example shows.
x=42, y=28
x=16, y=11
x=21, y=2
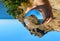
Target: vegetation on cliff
x=15, y=7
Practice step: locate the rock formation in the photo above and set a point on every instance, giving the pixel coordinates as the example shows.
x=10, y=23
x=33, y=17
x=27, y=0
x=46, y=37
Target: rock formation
x=41, y=29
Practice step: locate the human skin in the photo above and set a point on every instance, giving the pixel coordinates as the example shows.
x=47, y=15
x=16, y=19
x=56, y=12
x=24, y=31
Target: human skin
x=46, y=4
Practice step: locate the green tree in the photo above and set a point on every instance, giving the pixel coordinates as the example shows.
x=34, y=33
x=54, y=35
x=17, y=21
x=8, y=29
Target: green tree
x=16, y=7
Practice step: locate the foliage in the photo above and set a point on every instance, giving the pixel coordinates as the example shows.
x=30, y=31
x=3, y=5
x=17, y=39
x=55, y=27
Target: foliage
x=15, y=7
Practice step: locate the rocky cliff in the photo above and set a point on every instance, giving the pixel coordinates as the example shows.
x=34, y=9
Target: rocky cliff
x=44, y=28
x=55, y=4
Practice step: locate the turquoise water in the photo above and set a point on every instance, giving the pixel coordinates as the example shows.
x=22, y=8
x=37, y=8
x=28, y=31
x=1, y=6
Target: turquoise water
x=36, y=13
x=13, y=30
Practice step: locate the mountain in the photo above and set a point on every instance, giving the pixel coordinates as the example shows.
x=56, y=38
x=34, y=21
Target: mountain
x=31, y=21
x=53, y=25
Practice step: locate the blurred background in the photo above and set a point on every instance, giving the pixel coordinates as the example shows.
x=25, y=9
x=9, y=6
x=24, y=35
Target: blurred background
x=13, y=30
